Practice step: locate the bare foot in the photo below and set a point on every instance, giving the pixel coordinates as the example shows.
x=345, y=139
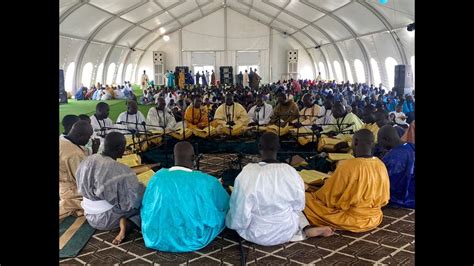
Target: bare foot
x=121, y=235
x=118, y=239
x=319, y=231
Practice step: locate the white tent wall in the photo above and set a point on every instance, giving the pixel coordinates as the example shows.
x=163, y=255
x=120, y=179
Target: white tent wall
x=351, y=51
x=94, y=54
x=380, y=46
x=226, y=27
x=68, y=52
x=243, y=34
x=171, y=50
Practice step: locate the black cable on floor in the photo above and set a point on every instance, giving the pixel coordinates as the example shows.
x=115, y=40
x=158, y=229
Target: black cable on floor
x=242, y=253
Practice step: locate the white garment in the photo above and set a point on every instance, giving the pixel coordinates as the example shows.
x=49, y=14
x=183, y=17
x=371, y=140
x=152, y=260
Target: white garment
x=266, y=203
x=95, y=206
x=400, y=118
x=106, y=96
x=168, y=98
x=99, y=125
x=327, y=116
x=119, y=94
x=263, y=116
x=245, y=80
x=157, y=119
x=131, y=121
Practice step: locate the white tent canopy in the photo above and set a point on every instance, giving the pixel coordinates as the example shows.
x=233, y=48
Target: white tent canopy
x=110, y=41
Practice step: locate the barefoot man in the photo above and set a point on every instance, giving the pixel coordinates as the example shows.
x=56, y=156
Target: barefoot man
x=112, y=194
x=266, y=205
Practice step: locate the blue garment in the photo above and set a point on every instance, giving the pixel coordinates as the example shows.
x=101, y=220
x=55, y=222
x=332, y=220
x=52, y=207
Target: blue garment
x=182, y=211
x=96, y=94
x=391, y=106
x=408, y=107
x=79, y=95
x=204, y=80
x=170, y=80
x=188, y=79
x=400, y=163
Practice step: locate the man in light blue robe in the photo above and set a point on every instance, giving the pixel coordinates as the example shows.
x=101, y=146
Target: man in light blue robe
x=183, y=210
x=170, y=79
x=400, y=163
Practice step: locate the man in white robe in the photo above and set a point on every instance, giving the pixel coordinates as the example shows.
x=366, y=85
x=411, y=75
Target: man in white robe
x=144, y=81
x=112, y=194
x=101, y=123
x=268, y=199
x=132, y=119
x=160, y=117
x=260, y=113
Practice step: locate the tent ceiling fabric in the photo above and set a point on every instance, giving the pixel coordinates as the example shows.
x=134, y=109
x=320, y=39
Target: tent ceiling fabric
x=80, y=18
x=137, y=23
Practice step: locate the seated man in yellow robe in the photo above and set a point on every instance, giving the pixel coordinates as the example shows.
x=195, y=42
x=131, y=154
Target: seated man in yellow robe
x=308, y=116
x=344, y=125
x=352, y=198
x=231, y=118
x=71, y=154
x=284, y=112
x=197, y=120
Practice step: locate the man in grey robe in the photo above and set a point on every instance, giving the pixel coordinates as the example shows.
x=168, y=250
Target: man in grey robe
x=112, y=194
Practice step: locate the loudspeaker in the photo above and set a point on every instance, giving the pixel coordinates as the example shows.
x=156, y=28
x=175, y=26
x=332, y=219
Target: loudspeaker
x=292, y=61
x=62, y=91
x=158, y=57
x=292, y=56
x=403, y=77
x=226, y=75
x=185, y=69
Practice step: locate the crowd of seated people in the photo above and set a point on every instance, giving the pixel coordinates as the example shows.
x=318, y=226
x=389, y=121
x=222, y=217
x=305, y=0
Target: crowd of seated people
x=100, y=92
x=382, y=172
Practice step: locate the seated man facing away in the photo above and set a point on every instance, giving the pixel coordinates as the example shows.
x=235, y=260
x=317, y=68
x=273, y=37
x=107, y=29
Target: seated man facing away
x=352, y=198
x=400, y=163
x=268, y=199
x=183, y=210
x=111, y=190
x=260, y=113
x=71, y=153
x=67, y=122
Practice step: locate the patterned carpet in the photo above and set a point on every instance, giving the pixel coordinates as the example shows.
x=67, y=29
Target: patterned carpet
x=393, y=242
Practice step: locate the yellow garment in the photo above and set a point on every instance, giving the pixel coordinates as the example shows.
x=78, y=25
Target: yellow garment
x=205, y=132
x=308, y=115
x=352, y=198
x=339, y=156
x=349, y=118
x=145, y=177
x=196, y=117
x=235, y=113
x=313, y=177
x=374, y=129
x=181, y=80
x=284, y=113
x=130, y=160
x=305, y=135
x=70, y=156
x=283, y=130
x=178, y=134
x=327, y=143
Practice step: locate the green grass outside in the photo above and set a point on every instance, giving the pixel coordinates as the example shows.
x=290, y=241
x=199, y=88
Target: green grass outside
x=88, y=107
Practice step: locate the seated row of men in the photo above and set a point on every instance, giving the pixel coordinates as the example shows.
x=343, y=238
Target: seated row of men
x=184, y=210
